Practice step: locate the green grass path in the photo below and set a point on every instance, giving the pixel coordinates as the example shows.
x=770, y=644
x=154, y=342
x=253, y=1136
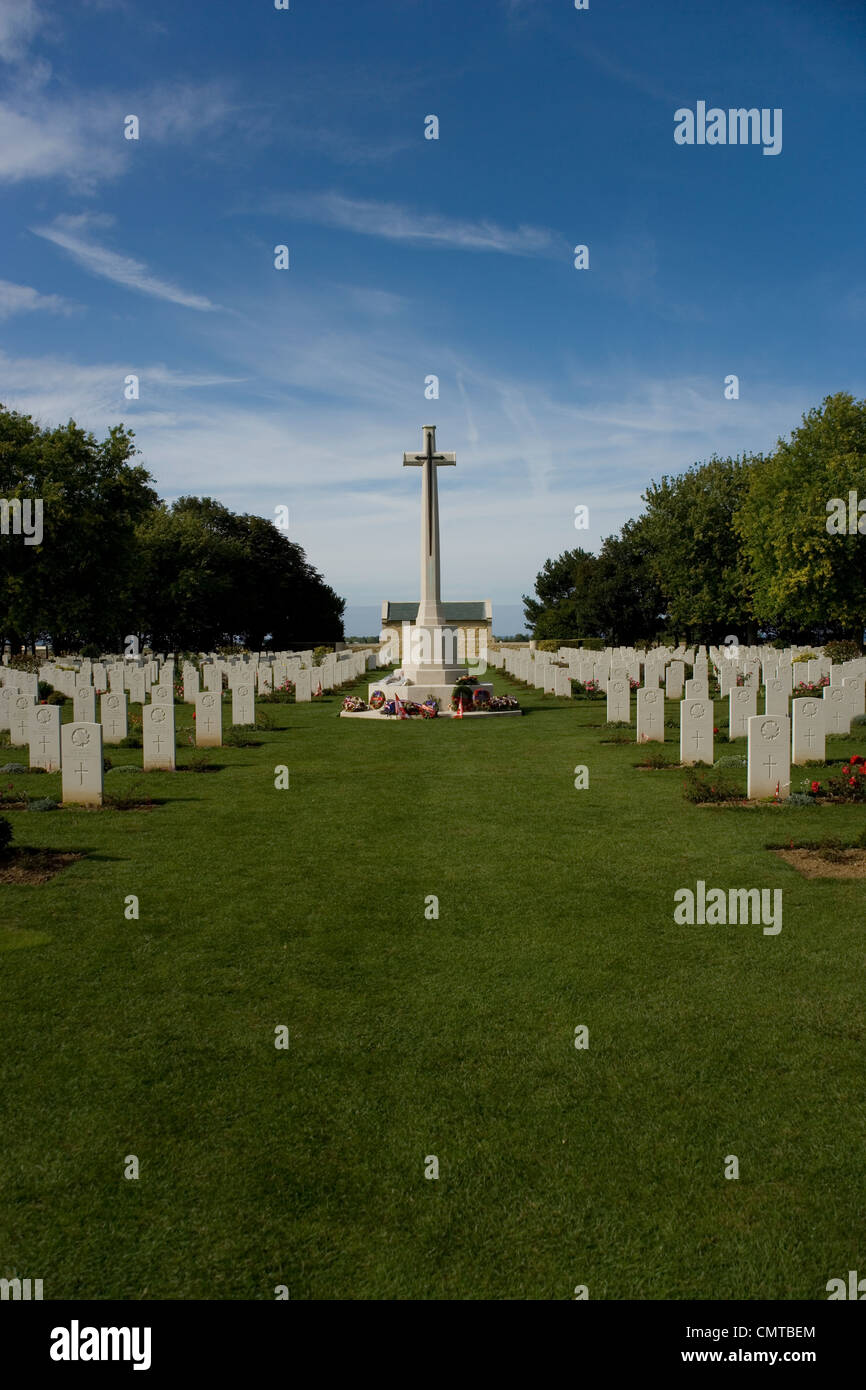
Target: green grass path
x=413, y=1037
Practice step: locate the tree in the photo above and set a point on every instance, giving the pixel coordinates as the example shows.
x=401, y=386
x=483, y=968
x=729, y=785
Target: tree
x=75, y=583
x=806, y=580
x=562, y=607
x=624, y=594
x=694, y=550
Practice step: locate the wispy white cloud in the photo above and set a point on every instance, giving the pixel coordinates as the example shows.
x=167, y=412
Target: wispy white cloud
x=23, y=299
x=19, y=20
x=110, y=265
x=80, y=137
x=397, y=223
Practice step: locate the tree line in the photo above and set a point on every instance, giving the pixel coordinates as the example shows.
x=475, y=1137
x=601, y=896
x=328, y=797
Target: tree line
x=752, y=545
x=114, y=559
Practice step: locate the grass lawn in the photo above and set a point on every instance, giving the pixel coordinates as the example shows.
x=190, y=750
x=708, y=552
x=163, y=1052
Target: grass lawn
x=412, y=1037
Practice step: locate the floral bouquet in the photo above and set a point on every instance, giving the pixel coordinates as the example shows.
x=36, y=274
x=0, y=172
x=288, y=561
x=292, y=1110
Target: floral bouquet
x=503, y=702
x=389, y=707
x=430, y=708
x=354, y=704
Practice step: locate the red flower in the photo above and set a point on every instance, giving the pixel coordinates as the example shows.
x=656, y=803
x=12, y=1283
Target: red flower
x=855, y=758
x=845, y=771
x=816, y=786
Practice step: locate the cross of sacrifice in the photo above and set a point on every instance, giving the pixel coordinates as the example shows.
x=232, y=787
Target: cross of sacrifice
x=429, y=613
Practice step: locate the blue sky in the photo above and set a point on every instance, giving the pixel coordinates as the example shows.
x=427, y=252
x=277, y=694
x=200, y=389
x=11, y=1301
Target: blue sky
x=411, y=257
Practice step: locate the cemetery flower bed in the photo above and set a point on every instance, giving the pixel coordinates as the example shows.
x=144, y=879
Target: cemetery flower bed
x=586, y=690
x=703, y=788
x=848, y=785
x=804, y=688
x=504, y=702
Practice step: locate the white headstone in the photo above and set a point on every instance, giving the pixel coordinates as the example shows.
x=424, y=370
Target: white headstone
x=243, y=703
x=208, y=720
x=674, y=680
x=856, y=694
x=742, y=705
x=20, y=708
x=157, y=729
x=809, y=737
x=45, y=737
x=618, y=700
x=696, y=731
x=650, y=715
x=162, y=694
x=114, y=716
x=82, y=777
x=837, y=709
x=303, y=687
x=84, y=705
x=768, y=757
x=777, y=694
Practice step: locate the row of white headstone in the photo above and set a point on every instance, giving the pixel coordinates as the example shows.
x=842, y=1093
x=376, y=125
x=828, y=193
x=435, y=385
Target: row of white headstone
x=76, y=748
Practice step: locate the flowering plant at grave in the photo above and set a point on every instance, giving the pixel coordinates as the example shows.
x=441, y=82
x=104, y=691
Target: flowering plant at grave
x=809, y=687
x=503, y=702
x=354, y=704
x=377, y=699
x=633, y=684
x=586, y=690
x=847, y=785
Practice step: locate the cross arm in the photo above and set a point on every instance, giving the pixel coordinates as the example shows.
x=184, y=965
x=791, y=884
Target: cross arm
x=416, y=460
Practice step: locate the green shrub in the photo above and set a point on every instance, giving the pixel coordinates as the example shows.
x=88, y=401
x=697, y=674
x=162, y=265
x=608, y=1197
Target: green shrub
x=616, y=724
x=91, y=652
x=657, y=759
x=806, y=656
x=730, y=760
x=5, y=835
x=57, y=698
x=859, y=720
x=799, y=799
x=843, y=650
x=319, y=654
x=241, y=736
x=42, y=803
x=126, y=800
x=13, y=769
x=126, y=767
x=131, y=741
x=707, y=785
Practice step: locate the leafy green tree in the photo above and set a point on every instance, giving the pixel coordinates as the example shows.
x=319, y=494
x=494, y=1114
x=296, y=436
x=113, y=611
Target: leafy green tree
x=74, y=585
x=807, y=581
x=694, y=549
x=561, y=608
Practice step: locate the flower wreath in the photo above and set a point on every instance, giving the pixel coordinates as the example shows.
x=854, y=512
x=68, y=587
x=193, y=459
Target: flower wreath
x=389, y=707
x=377, y=699
x=430, y=708
x=481, y=698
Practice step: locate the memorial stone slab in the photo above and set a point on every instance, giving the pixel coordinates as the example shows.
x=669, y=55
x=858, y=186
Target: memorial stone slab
x=82, y=767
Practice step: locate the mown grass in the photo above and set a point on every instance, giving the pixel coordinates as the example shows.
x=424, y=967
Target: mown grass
x=412, y=1037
